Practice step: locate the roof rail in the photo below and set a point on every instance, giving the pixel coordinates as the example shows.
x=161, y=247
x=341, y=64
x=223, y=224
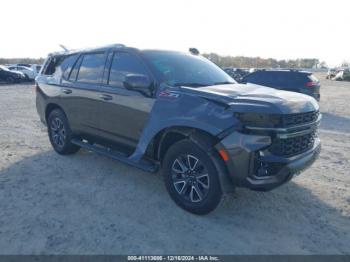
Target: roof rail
x=68, y=51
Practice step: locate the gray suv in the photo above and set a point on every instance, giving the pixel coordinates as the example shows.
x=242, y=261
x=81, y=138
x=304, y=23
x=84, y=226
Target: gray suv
x=180, y=113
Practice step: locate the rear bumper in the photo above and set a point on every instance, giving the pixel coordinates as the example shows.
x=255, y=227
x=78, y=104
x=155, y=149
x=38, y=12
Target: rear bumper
x=250, y=164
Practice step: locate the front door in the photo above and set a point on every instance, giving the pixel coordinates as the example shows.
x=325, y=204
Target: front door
x=123, y=112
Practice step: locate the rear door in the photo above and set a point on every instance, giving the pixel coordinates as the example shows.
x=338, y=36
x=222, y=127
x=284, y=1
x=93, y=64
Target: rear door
x=81, y=92
x=123, y=112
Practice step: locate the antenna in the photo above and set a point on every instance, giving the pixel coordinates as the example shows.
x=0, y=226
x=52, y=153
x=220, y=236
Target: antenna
x=63, y=47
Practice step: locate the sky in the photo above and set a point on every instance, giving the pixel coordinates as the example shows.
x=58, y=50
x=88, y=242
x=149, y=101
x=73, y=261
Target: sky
x=281, y=29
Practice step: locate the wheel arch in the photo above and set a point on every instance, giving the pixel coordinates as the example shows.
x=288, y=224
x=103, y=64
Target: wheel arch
x=168, y=136
x=206, y=141
x=49, y=108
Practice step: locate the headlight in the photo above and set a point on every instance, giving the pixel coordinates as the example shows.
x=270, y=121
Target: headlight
x=259, y=119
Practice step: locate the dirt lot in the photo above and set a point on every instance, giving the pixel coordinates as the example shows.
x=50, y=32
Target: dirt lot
x=89, y=204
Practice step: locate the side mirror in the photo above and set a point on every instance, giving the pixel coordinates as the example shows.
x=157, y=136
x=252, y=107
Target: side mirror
x=138, y=82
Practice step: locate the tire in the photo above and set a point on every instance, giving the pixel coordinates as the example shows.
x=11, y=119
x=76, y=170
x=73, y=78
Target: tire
x=60, y=133
x=191, y=177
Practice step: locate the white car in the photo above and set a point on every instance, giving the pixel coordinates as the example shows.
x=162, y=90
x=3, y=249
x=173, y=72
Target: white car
x=28, y=72
x=36, y=68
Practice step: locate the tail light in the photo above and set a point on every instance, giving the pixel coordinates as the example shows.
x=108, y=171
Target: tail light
x=311, y=84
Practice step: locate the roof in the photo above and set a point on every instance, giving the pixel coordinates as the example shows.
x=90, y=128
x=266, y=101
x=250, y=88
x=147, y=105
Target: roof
x=91, y=49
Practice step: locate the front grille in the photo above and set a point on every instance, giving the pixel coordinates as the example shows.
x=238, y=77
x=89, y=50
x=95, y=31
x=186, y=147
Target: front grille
x=292, y=146
x=299, y=119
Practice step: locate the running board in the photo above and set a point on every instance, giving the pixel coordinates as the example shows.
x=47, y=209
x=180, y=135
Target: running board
x=144, y=165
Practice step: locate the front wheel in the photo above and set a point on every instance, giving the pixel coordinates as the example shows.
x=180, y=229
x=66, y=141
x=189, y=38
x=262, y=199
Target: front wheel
x=191, y=177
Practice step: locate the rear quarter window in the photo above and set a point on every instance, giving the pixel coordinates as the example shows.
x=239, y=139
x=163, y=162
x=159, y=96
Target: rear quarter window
x=52, y=64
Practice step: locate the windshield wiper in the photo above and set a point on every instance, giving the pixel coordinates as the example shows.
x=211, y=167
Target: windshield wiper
x=190, y=84
x=223, y=83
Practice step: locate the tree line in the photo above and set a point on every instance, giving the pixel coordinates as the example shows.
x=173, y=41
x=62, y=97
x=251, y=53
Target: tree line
x=4, y=61
x=258, y=62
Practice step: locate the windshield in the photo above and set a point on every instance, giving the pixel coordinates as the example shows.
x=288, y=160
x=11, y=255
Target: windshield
x=4, y=68
x=176, y=69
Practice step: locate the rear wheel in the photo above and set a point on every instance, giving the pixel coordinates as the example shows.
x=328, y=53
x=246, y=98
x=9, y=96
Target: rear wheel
x=60, y=133
x=191, y=177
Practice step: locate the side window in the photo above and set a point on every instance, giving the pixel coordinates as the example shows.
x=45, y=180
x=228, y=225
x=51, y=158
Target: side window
x=74, y=73
x=283, y=79
x=67, y=65
x=122, y=65
x=91, y=68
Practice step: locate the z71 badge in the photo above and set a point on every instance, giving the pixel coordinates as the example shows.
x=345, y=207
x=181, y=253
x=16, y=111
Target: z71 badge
x=169, y=94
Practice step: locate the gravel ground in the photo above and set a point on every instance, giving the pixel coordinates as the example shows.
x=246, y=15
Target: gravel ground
x=89, y=204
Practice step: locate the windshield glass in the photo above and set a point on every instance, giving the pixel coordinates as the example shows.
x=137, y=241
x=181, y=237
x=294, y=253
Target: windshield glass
x=176, y=69
x=4, y=68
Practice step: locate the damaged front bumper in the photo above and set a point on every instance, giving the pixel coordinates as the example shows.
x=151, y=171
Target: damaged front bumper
x=251, y=164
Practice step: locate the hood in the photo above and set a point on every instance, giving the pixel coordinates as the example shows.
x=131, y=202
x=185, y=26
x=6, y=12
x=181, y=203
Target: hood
x=256, y=98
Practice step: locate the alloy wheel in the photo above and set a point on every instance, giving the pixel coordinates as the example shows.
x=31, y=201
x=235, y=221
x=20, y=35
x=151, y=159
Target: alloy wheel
x=190, y=178
x=58, y=132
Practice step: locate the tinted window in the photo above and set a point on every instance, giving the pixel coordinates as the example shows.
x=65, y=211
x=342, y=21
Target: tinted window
x=91, y=68
x=122, y=65
x=67, y=65
x=276, y=78
x=299, y=78
x=74, y=73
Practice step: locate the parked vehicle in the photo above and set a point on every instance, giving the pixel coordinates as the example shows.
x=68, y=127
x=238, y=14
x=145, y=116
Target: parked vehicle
x=331, y=73
x=28, y=72
x=342, y=75
x=289, y=80
x=36, y=68
x=178, y=112
x=10, y=77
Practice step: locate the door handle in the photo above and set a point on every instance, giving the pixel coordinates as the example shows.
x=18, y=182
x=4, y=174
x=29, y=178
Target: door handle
x=106, y=97
x=67, y=91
